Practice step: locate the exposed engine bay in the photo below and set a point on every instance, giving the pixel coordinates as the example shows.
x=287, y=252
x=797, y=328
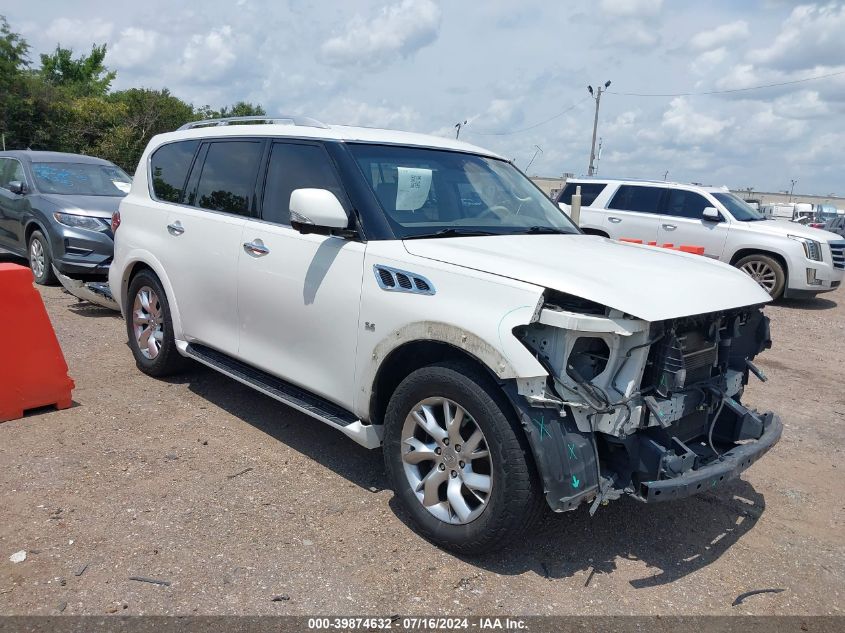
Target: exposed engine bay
x=649, y=409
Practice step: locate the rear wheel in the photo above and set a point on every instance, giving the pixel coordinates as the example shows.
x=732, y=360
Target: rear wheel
x=150, y=327
x=41, y=259
x=766, y=271
x=458, y=461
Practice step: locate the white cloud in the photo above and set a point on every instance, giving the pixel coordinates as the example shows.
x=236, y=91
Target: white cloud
x=633, y=34
x=801, y=105
x=630, y=8
x=708, y=60
x=689, y=126
x=724, y=34
x=134, y=48
x=398, y=31
x=384, y=115
x=811, y=36
x=207, y=57
x=75, y=33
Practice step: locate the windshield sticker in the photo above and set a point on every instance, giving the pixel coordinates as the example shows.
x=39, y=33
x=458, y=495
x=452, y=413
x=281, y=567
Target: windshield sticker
x=412, y=188
x=123, y=186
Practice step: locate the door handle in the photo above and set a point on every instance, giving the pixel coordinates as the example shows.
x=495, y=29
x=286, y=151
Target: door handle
x=614, y=219
x=256, y=248
x=669, y=227
x=176, y=228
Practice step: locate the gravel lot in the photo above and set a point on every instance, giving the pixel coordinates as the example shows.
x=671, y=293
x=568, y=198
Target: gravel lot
x=235, y=499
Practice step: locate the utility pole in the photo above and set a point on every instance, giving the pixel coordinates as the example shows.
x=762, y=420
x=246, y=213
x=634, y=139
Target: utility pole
x=458, y=127
x=665, y=174
x=598, y=157
x=792, y=188
x=597, y=96
x=539, y=150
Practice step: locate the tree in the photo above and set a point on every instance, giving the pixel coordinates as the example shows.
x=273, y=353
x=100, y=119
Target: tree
x=242, y=108
x=15, y=108
x=85, y=76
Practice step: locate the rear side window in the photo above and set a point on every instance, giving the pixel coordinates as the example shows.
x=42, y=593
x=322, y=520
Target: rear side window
x=295, y=166
x=169, y=165
x=10, y=170
x=637, y=198
x=229, y=173
x=589, y=192
x=686, y=204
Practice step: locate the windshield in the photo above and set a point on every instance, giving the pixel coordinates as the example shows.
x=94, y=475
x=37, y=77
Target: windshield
x=81, y=179
x=427, y=192
x=739, y=209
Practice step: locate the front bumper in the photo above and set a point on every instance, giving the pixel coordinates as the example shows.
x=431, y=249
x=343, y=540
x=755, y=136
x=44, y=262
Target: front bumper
x=721, y=470
x=81, y=254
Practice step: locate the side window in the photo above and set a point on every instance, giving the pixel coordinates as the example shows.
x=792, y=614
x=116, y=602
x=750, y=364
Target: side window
x=295, y=166
x=637, y=198
x=686, y=204
x=589, y=192
x=10, y=170
x=229, y=173
x=169, y=166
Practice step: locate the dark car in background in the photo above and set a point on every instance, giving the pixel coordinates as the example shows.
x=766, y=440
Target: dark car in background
x=56, y=209
x=836, y=225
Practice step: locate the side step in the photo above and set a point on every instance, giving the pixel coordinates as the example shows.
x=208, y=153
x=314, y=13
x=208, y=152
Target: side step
x=366, y=435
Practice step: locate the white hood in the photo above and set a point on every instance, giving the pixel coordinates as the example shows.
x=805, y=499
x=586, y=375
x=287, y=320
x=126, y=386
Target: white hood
x=647, y=282
x=784, y=228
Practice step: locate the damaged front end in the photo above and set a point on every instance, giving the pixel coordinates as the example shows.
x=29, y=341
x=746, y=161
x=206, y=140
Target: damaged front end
x=652, y=410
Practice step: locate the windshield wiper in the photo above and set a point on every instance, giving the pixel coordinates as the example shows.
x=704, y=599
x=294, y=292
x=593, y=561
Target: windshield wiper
x=547, y=229
x=452, y=232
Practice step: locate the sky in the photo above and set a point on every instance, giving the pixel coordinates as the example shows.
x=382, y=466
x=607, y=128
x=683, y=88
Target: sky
x=516, y=72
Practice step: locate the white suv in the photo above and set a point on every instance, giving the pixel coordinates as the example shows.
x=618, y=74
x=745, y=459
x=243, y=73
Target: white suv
x=421, y=294
x=785, y=258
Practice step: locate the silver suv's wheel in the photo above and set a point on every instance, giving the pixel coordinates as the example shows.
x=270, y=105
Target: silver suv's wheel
x=442, y=444
x=458, y=460
x=766, y=271
x=40, y=259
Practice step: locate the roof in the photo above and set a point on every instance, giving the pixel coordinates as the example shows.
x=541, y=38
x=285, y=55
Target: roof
x=646, y=181
x=343, y=133
x=36, y=156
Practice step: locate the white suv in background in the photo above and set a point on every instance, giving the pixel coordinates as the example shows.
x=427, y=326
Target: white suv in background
x=785, y=258
x=421, y=294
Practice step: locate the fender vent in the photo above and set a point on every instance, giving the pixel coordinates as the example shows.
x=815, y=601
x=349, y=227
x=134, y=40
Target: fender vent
x=396, y=280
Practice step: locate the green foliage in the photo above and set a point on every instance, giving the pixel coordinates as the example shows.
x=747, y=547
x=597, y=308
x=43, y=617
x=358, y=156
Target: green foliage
x=85, y=76
x=66, y=105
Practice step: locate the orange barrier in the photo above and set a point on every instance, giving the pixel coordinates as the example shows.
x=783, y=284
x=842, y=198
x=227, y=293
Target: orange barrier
x=683, y=248
x=33, y=371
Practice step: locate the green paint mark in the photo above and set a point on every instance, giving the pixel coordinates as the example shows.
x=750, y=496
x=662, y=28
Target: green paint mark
x=571, y=448
x=541, y=425
x=714, y=483
x=575, y=481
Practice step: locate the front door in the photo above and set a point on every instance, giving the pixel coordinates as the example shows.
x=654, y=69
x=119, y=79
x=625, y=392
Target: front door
x=682, y=223
x=299, y=295
x=12, y=206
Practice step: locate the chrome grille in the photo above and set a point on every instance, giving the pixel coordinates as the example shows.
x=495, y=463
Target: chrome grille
x=837, y=250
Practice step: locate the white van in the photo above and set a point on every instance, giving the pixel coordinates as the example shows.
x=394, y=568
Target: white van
x=785, y=258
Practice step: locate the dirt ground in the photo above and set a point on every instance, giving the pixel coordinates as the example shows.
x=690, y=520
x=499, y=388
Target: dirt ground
x=235, y=499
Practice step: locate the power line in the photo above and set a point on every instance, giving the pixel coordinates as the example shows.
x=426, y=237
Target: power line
x=718, y=92
x=531, y=127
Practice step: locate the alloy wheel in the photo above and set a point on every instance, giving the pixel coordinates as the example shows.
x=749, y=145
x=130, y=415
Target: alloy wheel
x=147, y=322
x=762, y=273
x=446, y=460
x=37, y=260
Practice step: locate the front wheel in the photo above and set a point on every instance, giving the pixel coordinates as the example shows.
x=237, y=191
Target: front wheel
x=41, y=259
x=766, y=271
x=458, y=461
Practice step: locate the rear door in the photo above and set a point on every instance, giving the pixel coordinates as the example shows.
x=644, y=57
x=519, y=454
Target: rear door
x=634, y=212
x=12, y=206
x=205, y=239
x=299, y=295
x=682, y=223
x=590, y=218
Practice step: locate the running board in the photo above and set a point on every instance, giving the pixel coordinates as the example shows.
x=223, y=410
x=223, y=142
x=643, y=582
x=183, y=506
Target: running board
x=366, y=435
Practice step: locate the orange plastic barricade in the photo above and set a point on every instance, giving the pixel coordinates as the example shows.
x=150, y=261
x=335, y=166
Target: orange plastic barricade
x=684, y=248
x=33, y=371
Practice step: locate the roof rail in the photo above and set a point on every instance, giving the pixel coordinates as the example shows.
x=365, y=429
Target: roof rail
x=284, y=119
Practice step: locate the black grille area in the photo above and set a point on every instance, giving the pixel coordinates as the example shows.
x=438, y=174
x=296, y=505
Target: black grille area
x=386, y=278
x=421, y=285
x=837, y=250
x=685, y=355
x=403, y=280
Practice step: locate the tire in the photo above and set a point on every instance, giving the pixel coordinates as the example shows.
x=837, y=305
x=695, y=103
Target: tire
x=513, y=501
x=40, y=259
x=150, y=327
x=766, y=271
